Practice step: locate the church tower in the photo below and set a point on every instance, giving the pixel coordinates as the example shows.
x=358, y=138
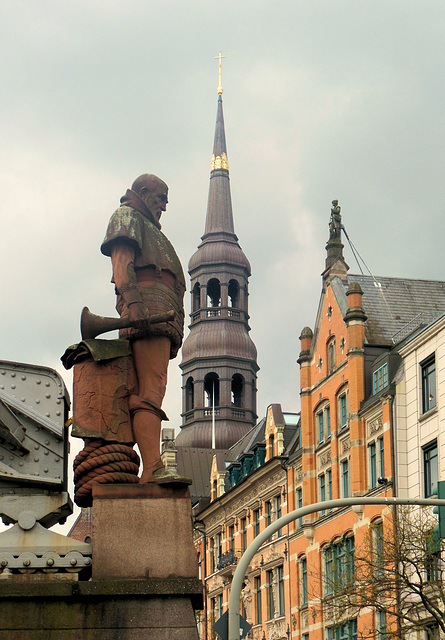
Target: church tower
x=219, y=359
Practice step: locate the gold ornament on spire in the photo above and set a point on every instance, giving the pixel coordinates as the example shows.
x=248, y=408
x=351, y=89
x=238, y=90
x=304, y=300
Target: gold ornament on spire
x=219, y=162
x=219, y=58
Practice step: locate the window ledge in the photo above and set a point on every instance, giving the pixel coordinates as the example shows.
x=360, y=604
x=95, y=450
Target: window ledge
x=428, y=414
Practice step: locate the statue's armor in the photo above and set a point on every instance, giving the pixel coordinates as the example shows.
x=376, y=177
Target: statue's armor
x=159, y=276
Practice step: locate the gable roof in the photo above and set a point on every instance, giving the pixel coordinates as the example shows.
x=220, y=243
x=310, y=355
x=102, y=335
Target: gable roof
x=394, y=306
x=391, y=304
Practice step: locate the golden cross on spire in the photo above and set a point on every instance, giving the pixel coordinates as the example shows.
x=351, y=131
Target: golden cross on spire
x=220, y=57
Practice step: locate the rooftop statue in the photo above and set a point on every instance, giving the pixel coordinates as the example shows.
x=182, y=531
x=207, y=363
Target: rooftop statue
x=335, y=221
x=119, y=385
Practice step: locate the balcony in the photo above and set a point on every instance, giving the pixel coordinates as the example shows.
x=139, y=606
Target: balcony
x=227, y=563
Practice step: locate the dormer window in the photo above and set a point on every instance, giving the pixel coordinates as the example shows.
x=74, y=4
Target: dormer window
x=380, y=378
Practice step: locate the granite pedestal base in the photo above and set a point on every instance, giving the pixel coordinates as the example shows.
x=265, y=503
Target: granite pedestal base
x=144, y=582
x=154, y=609
x=142, y=531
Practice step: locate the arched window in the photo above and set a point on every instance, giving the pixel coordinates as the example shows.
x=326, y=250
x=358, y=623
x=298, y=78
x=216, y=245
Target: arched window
x=211, y=390
x=233, y=291
x=213, y=293
x=196, y=297
x=237, y=390
x=189, y=394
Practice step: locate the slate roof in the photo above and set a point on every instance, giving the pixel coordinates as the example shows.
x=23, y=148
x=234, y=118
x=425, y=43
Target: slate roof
x=395, y=305
x=257, y=434
x=245, y=444
x=196, y=464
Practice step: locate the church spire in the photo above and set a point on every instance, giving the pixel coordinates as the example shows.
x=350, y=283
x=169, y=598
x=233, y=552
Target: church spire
x=219, y=218
x=219, y=367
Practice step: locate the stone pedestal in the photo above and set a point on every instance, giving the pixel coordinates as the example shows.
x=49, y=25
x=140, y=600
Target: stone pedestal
x=144, y=583
x=142, y=531
x=101, y=609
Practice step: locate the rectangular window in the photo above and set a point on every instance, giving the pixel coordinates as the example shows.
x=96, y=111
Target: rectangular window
x=231, y=537
x=343, y=411
x=214, y=614
x=329, y=570
x=212, y=554
x=432, y=566
x=304, y=597
x=268, y=513
x=327, y=412
x=218, y=548
x=346, y=631
x=329, y=479
x=380, y=379
x=345, y=478
x=372, y=465
x=256, y=521
x=257, y=595
x=339, y=567
x=280, y=576
x=268, y=517
x=432, y=632
x=379, y=558
x=243, y=534
x=322, y=490
x=381, y=625
x=270, y=601
x=320, y=427
x=430, y=468
x=428, y=384
x=299, y=505
x=278, y=502
x=381, y=458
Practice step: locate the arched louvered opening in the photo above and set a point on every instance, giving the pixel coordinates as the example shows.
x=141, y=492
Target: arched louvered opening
x=196, y=297
x=237, y=390
x=211, y=390
x=214, y=293
x=233, y=291
x=189, y=394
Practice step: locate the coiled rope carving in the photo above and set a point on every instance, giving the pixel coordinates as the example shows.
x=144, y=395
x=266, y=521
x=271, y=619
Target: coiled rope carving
x=102, y=462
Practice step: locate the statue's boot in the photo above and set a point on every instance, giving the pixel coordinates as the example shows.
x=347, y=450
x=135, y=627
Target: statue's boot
x=147, y=433
x=161, y=475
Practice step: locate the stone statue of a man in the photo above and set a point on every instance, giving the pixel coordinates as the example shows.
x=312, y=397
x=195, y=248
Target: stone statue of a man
x=149, y=280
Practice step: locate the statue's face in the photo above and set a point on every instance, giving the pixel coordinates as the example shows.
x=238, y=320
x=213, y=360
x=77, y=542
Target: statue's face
x=156, y=200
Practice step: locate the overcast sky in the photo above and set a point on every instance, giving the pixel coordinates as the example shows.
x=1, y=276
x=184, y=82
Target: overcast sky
x=323, y=99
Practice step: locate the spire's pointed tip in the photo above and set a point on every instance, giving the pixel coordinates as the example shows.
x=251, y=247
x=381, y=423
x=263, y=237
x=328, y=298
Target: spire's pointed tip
x=219, y=158
x=219, y=57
